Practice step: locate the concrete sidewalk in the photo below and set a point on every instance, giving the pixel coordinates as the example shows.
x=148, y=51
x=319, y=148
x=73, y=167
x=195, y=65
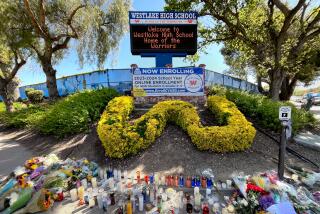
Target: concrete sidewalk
x=309, y=140
x=12, y=154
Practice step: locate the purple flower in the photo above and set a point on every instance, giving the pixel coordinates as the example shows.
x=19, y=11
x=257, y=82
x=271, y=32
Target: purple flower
x=266, y=201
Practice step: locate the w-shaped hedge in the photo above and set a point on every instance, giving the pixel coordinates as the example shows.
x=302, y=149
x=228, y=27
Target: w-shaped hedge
x=121, y=138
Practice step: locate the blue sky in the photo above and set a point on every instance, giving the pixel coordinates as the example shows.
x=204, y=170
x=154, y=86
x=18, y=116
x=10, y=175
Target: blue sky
x=32, y=72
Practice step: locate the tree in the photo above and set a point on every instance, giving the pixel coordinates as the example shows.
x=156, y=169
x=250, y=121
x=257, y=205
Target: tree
x=8, y=70
x=13, y=54
x=96, y=25
x=275, y=39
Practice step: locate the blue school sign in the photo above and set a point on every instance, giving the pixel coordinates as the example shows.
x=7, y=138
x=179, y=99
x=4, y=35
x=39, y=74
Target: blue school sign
x=168, y=82
x=163, y=35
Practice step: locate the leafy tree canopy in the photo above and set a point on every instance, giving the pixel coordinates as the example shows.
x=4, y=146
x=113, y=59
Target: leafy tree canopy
x=278, y=41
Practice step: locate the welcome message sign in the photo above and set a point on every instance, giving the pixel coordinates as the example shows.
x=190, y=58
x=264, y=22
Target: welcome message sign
x=168, y=82
x=163, y=32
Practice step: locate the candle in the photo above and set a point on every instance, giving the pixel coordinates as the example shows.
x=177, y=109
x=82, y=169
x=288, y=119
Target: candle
x=176, y=181
x=115, y=174
x=181, y=181
x=196, y=190
x=229, y=183
x=208, y=192
x=138, y=177
x=125, y=174
x=81, y=193
x=156, y=178
x=211, y=201
x=91, y=201
x=151, y=195
x=73, y=194
x=129, y=206
x=94, y=182
x=105, y=202
x=163, y=180
x=119, y=174
x=168, y=180
x=112, y=198
x=188, y=182
x=140, y=203
x=133, y=202
x=198, y=181
x=164, y=197
x=209, y=183
x=205, y=208
x=224, y=185
x=100, y=201
x=101, y=173
x=203, y=182
x=216, y=207
x=189, y=207
x=146, y=179
x=193, y=182
x=151, y=177
x=197, y=197
x=84, y=183
x=219, y=185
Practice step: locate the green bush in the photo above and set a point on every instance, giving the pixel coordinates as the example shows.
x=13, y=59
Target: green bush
x=121, y=137
x=266, y=112
x=34, y=96
x=24, y=117
x=217, y=90
x=27, y=90
x=16, y=105
x=74, y=113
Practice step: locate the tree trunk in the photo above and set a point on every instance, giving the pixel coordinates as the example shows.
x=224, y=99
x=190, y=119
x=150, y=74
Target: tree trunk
x=51, y=79
x=287, y=88
x=8, y=100
x=276, y=77
x=259, y=81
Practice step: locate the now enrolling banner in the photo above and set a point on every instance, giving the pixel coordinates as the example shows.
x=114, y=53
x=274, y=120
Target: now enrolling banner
x=168, y=81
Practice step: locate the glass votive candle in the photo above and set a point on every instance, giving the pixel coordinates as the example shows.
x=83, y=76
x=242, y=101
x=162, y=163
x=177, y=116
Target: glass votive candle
x=229, y=183
x=73, y=194
x=163, y=180
x=94, y=182
x=84, y=183
x=101, y=173
x=216, y=207
x=224, y=185
x=81, y=193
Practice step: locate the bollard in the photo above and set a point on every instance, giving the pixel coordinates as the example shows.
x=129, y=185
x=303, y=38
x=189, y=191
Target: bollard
x=282, y=150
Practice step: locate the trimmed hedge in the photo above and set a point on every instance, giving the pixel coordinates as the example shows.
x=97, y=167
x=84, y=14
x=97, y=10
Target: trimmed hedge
x=266, y=112
x=74, y=113
x=121, y=138
x=34, y=96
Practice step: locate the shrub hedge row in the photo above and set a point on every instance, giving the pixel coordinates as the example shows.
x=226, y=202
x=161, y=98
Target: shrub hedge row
x=121, y=137
x=74, y=113
x=266, y=112
x=69, y=115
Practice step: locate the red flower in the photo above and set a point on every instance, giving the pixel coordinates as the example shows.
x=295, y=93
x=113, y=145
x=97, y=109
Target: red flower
x=255, y=189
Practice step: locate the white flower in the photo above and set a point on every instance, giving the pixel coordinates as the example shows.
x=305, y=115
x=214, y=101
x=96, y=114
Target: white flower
x=244, y=202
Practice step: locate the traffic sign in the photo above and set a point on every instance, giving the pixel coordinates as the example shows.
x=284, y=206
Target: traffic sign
x=285, y=113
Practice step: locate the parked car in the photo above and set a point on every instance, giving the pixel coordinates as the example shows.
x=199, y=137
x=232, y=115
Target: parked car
x=315, y=98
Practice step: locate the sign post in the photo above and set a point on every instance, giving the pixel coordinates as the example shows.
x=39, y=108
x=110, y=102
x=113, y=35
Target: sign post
x=285, y=118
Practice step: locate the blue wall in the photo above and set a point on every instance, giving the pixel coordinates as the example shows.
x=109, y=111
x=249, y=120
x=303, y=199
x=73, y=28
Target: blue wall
x=121, y=80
